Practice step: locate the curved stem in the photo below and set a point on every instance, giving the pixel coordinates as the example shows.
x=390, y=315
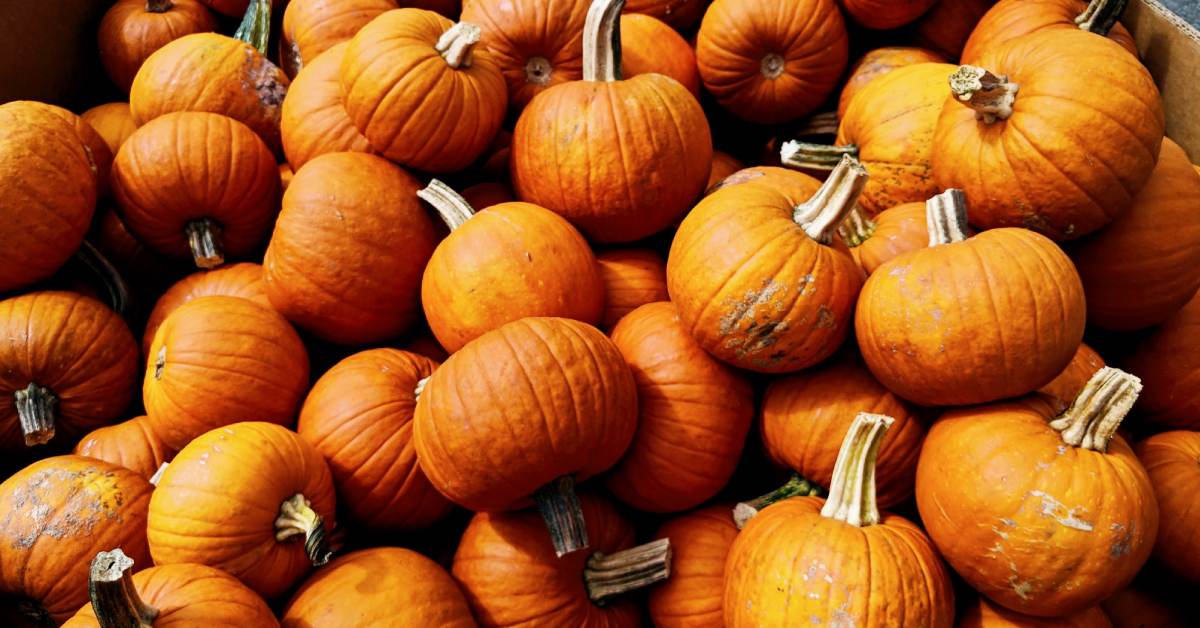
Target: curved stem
x=852, y=490
x=856, y=228
x=602, y=41
x=796, y=486
x=114, y=283
x=563, y=515
x=114, y=598
x=608, y=575
x=946, y=217
x=1097, y=412
x=450, y=205
x=820, y=215
x=36, y=411
x=990, y=95
x=296, y=517
x=819, y=124
x=255, y=28
x=159, y=6
x=1101, y=15
x=204, y=238
x=455, y=45
x=814, y=156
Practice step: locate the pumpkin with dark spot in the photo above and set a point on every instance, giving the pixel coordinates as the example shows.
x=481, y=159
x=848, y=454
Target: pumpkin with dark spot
x=132, y=30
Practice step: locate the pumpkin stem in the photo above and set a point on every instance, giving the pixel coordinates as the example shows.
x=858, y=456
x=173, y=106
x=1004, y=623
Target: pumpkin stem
x=609, y=575
x=35, y=408
x=856, y=228
x=852, y=490
x=946, y=217
x=1097, y=412
x=1101, y=15
x=455, y=45
x=814, y=156
x=420, y=387
x=255, y=28
x=160, y=362
x=159, y=6
x=297, y=517
x=538, y=71
x=825, y=123
x=602, y=41
x=820, y=215
x=114, y=283
x=796, y=486
x=158, y=473
x=450, y=205
x=204, y=237
x=114, y=598
x=990, y=95
x=563, y=515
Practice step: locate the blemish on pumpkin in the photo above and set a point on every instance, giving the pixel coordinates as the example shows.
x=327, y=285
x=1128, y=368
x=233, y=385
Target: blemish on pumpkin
x=160, y=362
x=1020, y=587
x=747, y=307
x=263, y=77
x=1121, y=546
x=31, y=517
x=1066, y=517
x=528, y=256
x=825, y=318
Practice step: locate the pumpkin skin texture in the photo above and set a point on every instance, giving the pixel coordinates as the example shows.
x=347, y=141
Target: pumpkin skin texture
x=113, y=122
x=243, y=280
x=693, y=416
x=886, y=14
x=878, y=62
x=1070, y=382
x=310, y=27
x=545, y=397
x=650, y=45
x=74, y=347
x=359, y=417
x=946, y=27
x=771, y=61
x=889, y=234
x=723, y=165
x=1169, y=364
x=261, y=366
x=700, y=542
x=1171, y=459
x=679, y=14
x=97, y=148
x=632, y=278
x=314, y=121
x=1133, y=276
x=984, y=614
x=249, y=469
x=129, y=33
x=130, y=444
x=1010, y=19
x=346, y=257
x=57, y=197
x=60, y=511
x=437, y=119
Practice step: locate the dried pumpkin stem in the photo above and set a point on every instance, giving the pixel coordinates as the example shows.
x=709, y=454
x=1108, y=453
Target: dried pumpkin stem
x=36, y=410
x=255, y=28
x=609, y=575
x=538, y=71
x=814, y=156
x=1097, y=412
x=563, y=515
x=455, y=45
x=990, y=95
x=114, y=598
x=450, y=205
x=296, y=517
x=825, y=123
x=1101, y=15
x=820, y=215
x=852, y=490
x=602, y=41
x=204, y=238
x=796, y=486
x=856, y=228
x=110, y=277
x=159, y=6
x=946, y=217
x=420, y=388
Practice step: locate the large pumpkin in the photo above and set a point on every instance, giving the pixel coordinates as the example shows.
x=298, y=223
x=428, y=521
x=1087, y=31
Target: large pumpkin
x=113, y=122
x=314, y=120
x=984, y=614
x=96, y=146
x=632, y=278
x=878, y=62
x=1011, y=19
x=1168, y=361
x=680, y=14
x=572, y=151
x=507, y=262
x=889, y=234
x=133, y=29
x=1171, y=459
x=650, y=45
x=946, y=27
x=691, y=597
x=243, y=280
x=131, y=444
x=886, y=14
x=310, y=27
x=723, y=165
x=252, y=499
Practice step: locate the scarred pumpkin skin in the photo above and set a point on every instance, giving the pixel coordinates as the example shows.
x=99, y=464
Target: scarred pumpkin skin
x=113, y=122
x=793, y=183
x=310, y=27
x=892, y=232
x=700, y=542
x=359, y=417
x=130, y=32
x=1169, y=364
x=945, y=27
x=131, y=444
x=878, y=62
x=60, y=511
x=886, y=14
x=1171, y=459
x=650, y=45
x=679, y=14
x=632, y=278
x=243, y=280
x=314, y=120
x=1068, y=384
x=96, y=146
x=985, y=614
x=1010, y=19
x=723, y=165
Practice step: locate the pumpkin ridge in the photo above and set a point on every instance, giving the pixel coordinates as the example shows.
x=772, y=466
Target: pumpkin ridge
x=604, y=382
x=1058, y=288
x=1035, y=150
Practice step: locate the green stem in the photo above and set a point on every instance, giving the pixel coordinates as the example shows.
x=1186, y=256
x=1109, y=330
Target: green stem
x=1094, y=416
x=110, y=277
x=814, y=156
x=610, y=575
x=563, y=515
x=796, y=486
x=255, y=28
x=852, y=489
x=296, y=518
x=36, y=412
x=602, y=41
x=1101, y=15
x=115, y=600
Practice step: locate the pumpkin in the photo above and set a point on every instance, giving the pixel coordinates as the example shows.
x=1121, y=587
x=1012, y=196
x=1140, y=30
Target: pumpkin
x=218, y=360
x=1070, y=382
x=379, y=586
x=680, y=14
x=1056, y=512
x=782, y=180
x=632, y=278
x=223, y=182
x=134, y=260
x=243, y=280
x=68, y=364
x=504, y=263
x=346, y=256
x=526, y=410
x=512, y=577
x=1010, y=19
x=693, y=415
x=488, y=194
x=95, y=145
x=1171, y=459
x=130, y=444
x=806, y=559
x=56, y=198
x=1130, y=608
x=184, y=594
x=886, y=14
x=571, y=152
x=889, y=234
x=113, y=122
x=650, y=45
x=691, y=597
x=1020, y=117
x=133, y=29
x=723, y=165
x=945, y=27
x=404, y=71
x=359, y=417
x=878, y=62
x=58, y=512
x=755, y=277
x=771, y=61
x=313, y=120
x=277, y=484
x=932, y=343
x=1133, y=276
x=984, y=614
x=310, y=27
x=1168, y=362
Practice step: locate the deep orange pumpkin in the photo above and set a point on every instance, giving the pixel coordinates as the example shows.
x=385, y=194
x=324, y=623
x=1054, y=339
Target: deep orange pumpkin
x=95, y=145
x=691, y=597
x=314, y=121
x=1010, y=19
x=878, y=62
x=886, y=14
x=131, y=444
x=310, y=27
x=243, y=280
x=783, y=180
x=113, y=122
x=945, y=28
x=1171, y=460
x=723, y=165
x=984, y=614
x=650, y=45
x=889, y=234
x=1168, y=361
x=1070, y=382
x=133, y=29
x=680, y=14
x=632, y=278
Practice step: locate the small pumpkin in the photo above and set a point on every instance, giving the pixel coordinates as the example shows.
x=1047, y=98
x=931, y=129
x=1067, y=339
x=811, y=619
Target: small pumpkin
x=1171, y=459
x=691, y=597
x=886, y=14
x=1131, y=608
x=1168, y=362
x=278, y=486
x=632, y=278
x=243, y=280
x=878, y=62
x=723, y=165
x=310, y=27
x=113, y=122
x=680, y=14
x=985, y=614
x=650, y=45
x=889, y=234
x=131, y=444
x=314, y=120
x=94, y=144
x=946, y=27
x=1070, y=382
x=1010, y=19
x=504, y=263
x=132, y=30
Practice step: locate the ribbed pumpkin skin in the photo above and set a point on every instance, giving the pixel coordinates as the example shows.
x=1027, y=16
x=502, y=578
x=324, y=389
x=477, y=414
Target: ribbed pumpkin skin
x=878, y=62
x=57, y=513
x=792, y=183
x=650, y=45
x=359, y=417
x=945, y=27
x=214, y=167
x=507, y=568
x=1010, y=19
x=46, y=172
x=693, y=415
x=113, y=122
x=781, y=565
x=984, y=614
x=522, y=405
x=805, y=416
x=76, y=347
x=346, y=257
x=1030, y=173
x=192, y=595
x=1169, y=364
x=679, y=14
x=1038, y=526
x=1070, y=382
x=723, y=165
x=735, y=38
x=129, y=34
x=213, y=73
x=217, y=502
x=409, y=103
x=96, y=146
x=700, y=542
x=632, y=278
x=381, y=586
x=224, y=359
x=314, y=120
x=898, y=230
x=310, y=27
x=886, y=14
x=1171, y=461
x=243, y=280
x=130, y=444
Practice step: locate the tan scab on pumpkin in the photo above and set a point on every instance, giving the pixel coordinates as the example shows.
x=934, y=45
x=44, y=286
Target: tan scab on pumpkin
x=262, y=76
x=747, y=308
x=80, y=513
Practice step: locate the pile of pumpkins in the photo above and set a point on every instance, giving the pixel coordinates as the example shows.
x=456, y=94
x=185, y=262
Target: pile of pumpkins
x=433, y=310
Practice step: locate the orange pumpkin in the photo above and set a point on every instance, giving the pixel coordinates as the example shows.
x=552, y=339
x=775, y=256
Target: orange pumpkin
x=1070, y=382
x=133, y=29
x=130, y=444
x=218, y=360
x=889, y=234
x=680, y=14
x=95, y=145
x=134, y=260
x=945, y=28
x=1130, y=608
x=68, y=364
x=278, y=485
x=878, y=62
x=1168, y=361
x=310, y=27
x=243, y=280
x=691, y=597
x=1011, y=19
x=632, y=278
x=723, y=165
x=504, y=263
x=113, y=122
x=58, y=512
x=984, y=614
x=571, y=154
x=886, y=14
x=650, y=45
x=1046, y=512
x=313, y=120
x=488, y=194
x=1171, y=459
